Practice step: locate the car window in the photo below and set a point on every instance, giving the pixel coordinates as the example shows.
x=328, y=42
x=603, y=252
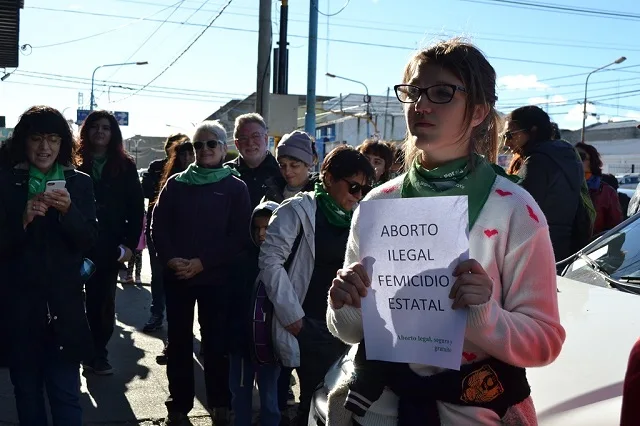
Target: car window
x=617, y=255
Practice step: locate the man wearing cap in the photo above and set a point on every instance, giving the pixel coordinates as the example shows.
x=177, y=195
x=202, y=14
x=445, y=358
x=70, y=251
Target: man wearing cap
x=255, y=163
x=296, y=155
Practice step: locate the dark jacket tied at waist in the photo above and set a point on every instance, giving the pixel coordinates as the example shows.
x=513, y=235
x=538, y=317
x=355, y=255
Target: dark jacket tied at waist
x=490, y=384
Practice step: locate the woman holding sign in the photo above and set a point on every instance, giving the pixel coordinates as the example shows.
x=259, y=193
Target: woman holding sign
x=303, y=250
x=508, y=286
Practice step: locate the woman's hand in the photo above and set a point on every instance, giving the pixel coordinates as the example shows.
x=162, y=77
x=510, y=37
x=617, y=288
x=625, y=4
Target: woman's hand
x=189, y=270
x=295, y=327
x=35, y=207
x=58, y=199
x=349, y=287
x=177, y=263
x=472, y=287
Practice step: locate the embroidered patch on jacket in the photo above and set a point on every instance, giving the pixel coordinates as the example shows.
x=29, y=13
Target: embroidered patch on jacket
x=481, y=386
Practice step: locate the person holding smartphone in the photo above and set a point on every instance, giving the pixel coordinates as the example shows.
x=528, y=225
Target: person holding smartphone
x=47, y=223
x=120, y=209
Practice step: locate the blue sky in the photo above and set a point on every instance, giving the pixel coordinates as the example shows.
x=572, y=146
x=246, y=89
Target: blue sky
x=540, y=56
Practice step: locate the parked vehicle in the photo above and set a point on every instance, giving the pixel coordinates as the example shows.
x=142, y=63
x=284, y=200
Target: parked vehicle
x=628, y=181
x=599, y=305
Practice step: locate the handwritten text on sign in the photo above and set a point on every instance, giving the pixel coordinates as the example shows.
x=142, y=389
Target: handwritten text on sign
x=410, y=248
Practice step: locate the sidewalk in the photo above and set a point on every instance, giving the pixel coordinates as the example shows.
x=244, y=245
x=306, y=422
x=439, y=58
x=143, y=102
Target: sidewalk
x=135, y=393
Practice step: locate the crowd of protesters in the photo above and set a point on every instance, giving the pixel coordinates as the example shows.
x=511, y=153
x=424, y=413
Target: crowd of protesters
x=266, y=228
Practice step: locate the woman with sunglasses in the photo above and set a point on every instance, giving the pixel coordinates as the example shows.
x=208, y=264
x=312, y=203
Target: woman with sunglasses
x=508, y=287
x=199, y=226
x=44, y=234
x=551, y=172
x=303, y=250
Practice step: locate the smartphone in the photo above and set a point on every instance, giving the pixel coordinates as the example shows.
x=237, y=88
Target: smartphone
x=55, y=184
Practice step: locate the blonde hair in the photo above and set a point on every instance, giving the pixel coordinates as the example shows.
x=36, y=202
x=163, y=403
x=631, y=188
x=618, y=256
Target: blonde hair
x=469, y=64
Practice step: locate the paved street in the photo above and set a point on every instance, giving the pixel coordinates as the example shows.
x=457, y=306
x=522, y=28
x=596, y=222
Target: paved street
x=135, y=394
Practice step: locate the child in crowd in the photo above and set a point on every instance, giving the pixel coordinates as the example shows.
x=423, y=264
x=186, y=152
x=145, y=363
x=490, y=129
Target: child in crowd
x=244, y=368
x=135, y=264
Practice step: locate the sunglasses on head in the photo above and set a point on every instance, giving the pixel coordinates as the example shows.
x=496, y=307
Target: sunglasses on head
x=213, y=144
x=355, y=187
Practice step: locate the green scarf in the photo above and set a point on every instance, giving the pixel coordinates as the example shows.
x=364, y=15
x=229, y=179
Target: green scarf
x=454, y=178
x=98, y=167
x=38, y=180
x=196, y=175
x=336, y=215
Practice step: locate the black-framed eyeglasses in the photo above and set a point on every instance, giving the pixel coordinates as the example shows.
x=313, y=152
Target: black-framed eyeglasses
x=355, y=187
x=508, y=135
x=437, y=94
x=213, y=144
x=583, y=155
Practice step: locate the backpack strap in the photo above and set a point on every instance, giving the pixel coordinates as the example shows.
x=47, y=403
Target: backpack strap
x=294, y=249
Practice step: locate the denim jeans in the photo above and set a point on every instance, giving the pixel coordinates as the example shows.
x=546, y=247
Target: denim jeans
x=241, y=374
x=157, y=286
x=61, y=379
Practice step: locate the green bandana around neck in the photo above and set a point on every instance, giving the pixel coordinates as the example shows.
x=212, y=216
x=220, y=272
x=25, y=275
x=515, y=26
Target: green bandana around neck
x=98, y=167
x=335, y=214
x=38, y=180
x=196, y=175
x=454, y=178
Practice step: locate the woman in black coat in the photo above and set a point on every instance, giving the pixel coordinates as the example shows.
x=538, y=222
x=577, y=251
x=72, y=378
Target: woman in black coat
x=44, y=236
x=120, y=210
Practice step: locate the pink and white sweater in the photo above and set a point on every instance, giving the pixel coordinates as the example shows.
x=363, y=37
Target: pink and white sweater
x=520, y=325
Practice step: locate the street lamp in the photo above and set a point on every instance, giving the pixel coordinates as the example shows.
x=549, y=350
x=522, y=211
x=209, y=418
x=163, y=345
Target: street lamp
x=584, y=105
x=93, y=101
x=367, y=98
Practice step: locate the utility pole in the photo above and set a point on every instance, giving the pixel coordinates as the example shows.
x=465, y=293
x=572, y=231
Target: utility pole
x=264, y=63
x=386, y=111
x=310, y=116
x=281, y=66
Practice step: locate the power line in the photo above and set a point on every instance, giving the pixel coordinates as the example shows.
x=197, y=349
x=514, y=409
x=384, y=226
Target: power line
x=144, y=18
x=507, y=37
x=519, y=4
x=352, y=42
x=215, y=18
x=511, y=100
x=87, y=81
x=177, y=6
x=330, y=15
x=123, y=93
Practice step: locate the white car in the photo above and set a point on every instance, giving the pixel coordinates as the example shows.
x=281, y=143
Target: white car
x=599, y=299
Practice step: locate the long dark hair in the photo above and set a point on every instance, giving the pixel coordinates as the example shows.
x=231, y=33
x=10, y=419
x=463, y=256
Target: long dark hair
x=384, y=150
x=39, y=119
x=173, y=166
x=535, y=123
x=595, y=162
x=116, y=154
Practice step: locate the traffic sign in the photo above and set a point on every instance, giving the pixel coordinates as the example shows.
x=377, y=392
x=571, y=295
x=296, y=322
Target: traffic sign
x=82, y=115
x=122, y=117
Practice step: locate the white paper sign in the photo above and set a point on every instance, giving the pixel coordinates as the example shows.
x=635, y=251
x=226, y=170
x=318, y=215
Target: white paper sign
x=410, y=247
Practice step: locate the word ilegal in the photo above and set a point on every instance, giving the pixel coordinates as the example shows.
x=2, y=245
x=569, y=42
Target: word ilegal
x=403, y=255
